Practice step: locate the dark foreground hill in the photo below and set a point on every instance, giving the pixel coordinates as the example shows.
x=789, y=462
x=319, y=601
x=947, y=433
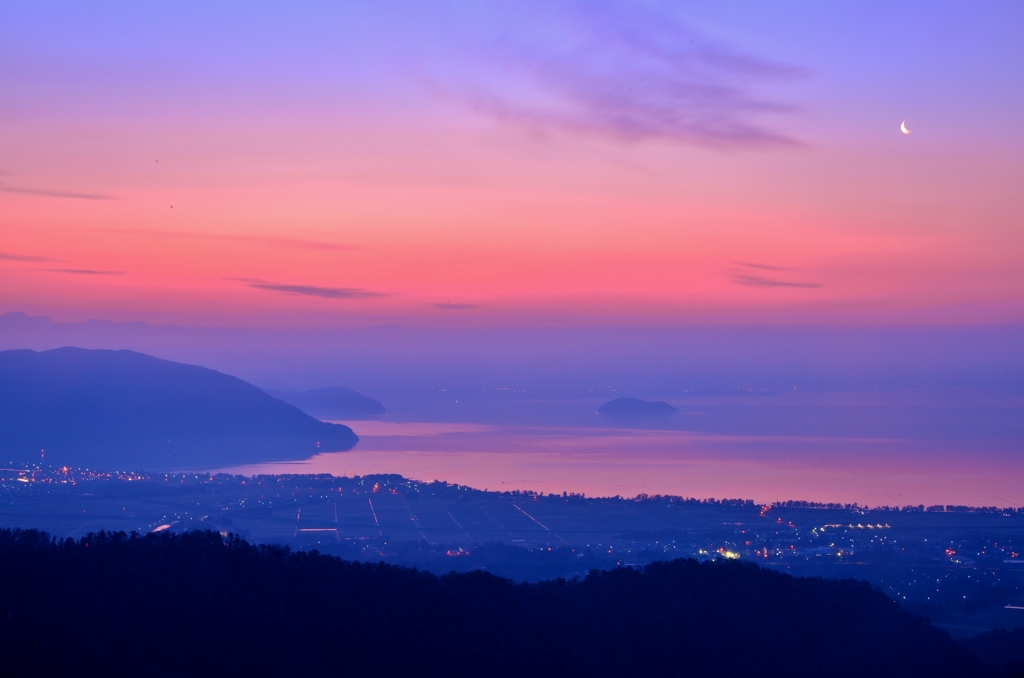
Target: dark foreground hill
x=634, y=408
x=1002, y=648
x=199, y=604
x=336, y=402
x=127, y=410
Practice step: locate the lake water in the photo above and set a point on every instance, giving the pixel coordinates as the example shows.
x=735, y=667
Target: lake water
x=901, y=451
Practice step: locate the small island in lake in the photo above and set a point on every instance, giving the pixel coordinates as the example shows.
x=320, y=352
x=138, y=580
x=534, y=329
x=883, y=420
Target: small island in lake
x=633, y=408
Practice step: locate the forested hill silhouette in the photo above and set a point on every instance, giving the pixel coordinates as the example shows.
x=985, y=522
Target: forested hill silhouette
x=335, y=402
x=126, y=410
x=200, y=604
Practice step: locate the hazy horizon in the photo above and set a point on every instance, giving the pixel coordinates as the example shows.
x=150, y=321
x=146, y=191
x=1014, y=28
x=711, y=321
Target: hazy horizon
x=792, y=221
x=879, y=416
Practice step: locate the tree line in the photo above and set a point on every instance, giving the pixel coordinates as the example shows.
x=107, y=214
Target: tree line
x=202, y=604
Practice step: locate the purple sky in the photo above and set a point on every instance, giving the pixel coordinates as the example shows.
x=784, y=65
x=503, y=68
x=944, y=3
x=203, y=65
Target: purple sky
x=572, y=200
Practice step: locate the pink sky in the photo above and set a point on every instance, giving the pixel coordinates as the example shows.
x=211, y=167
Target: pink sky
x=145, y=182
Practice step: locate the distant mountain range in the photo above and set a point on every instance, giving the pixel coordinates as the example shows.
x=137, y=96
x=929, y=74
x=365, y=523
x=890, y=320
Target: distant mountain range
x=126, y=410
x=336, y=402
x=634, y=408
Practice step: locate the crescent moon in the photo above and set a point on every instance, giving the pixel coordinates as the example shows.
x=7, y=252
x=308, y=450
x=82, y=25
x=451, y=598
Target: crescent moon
x=903, y=127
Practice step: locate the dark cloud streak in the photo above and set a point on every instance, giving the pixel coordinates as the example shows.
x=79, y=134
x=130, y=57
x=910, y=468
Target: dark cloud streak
x=54, y=193
x=763, y=267
x=449, y=306
x=269, y=240
x=311, y=290
x=758, y=281
x=7, y=256
x=84, y=271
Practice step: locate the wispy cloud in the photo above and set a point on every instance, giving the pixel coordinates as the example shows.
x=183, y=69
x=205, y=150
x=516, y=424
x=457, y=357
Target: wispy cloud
x=311, y=290
x=84, y=271
x=763, y=267
x=749, y=274
x=8, y=256
x=759, y=281
x=449, y=306
x=51, y=193
x=618, y=69
x=295, y=243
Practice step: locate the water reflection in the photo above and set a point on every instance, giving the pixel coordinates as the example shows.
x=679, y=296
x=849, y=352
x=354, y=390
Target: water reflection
x=627, y=462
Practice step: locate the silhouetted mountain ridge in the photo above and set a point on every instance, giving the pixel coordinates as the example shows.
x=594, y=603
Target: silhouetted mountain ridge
x=127, y=410
x=199, y=604
x=335, y=402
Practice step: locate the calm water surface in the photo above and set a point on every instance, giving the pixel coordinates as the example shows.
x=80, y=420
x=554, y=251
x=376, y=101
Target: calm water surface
x=878, y=453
